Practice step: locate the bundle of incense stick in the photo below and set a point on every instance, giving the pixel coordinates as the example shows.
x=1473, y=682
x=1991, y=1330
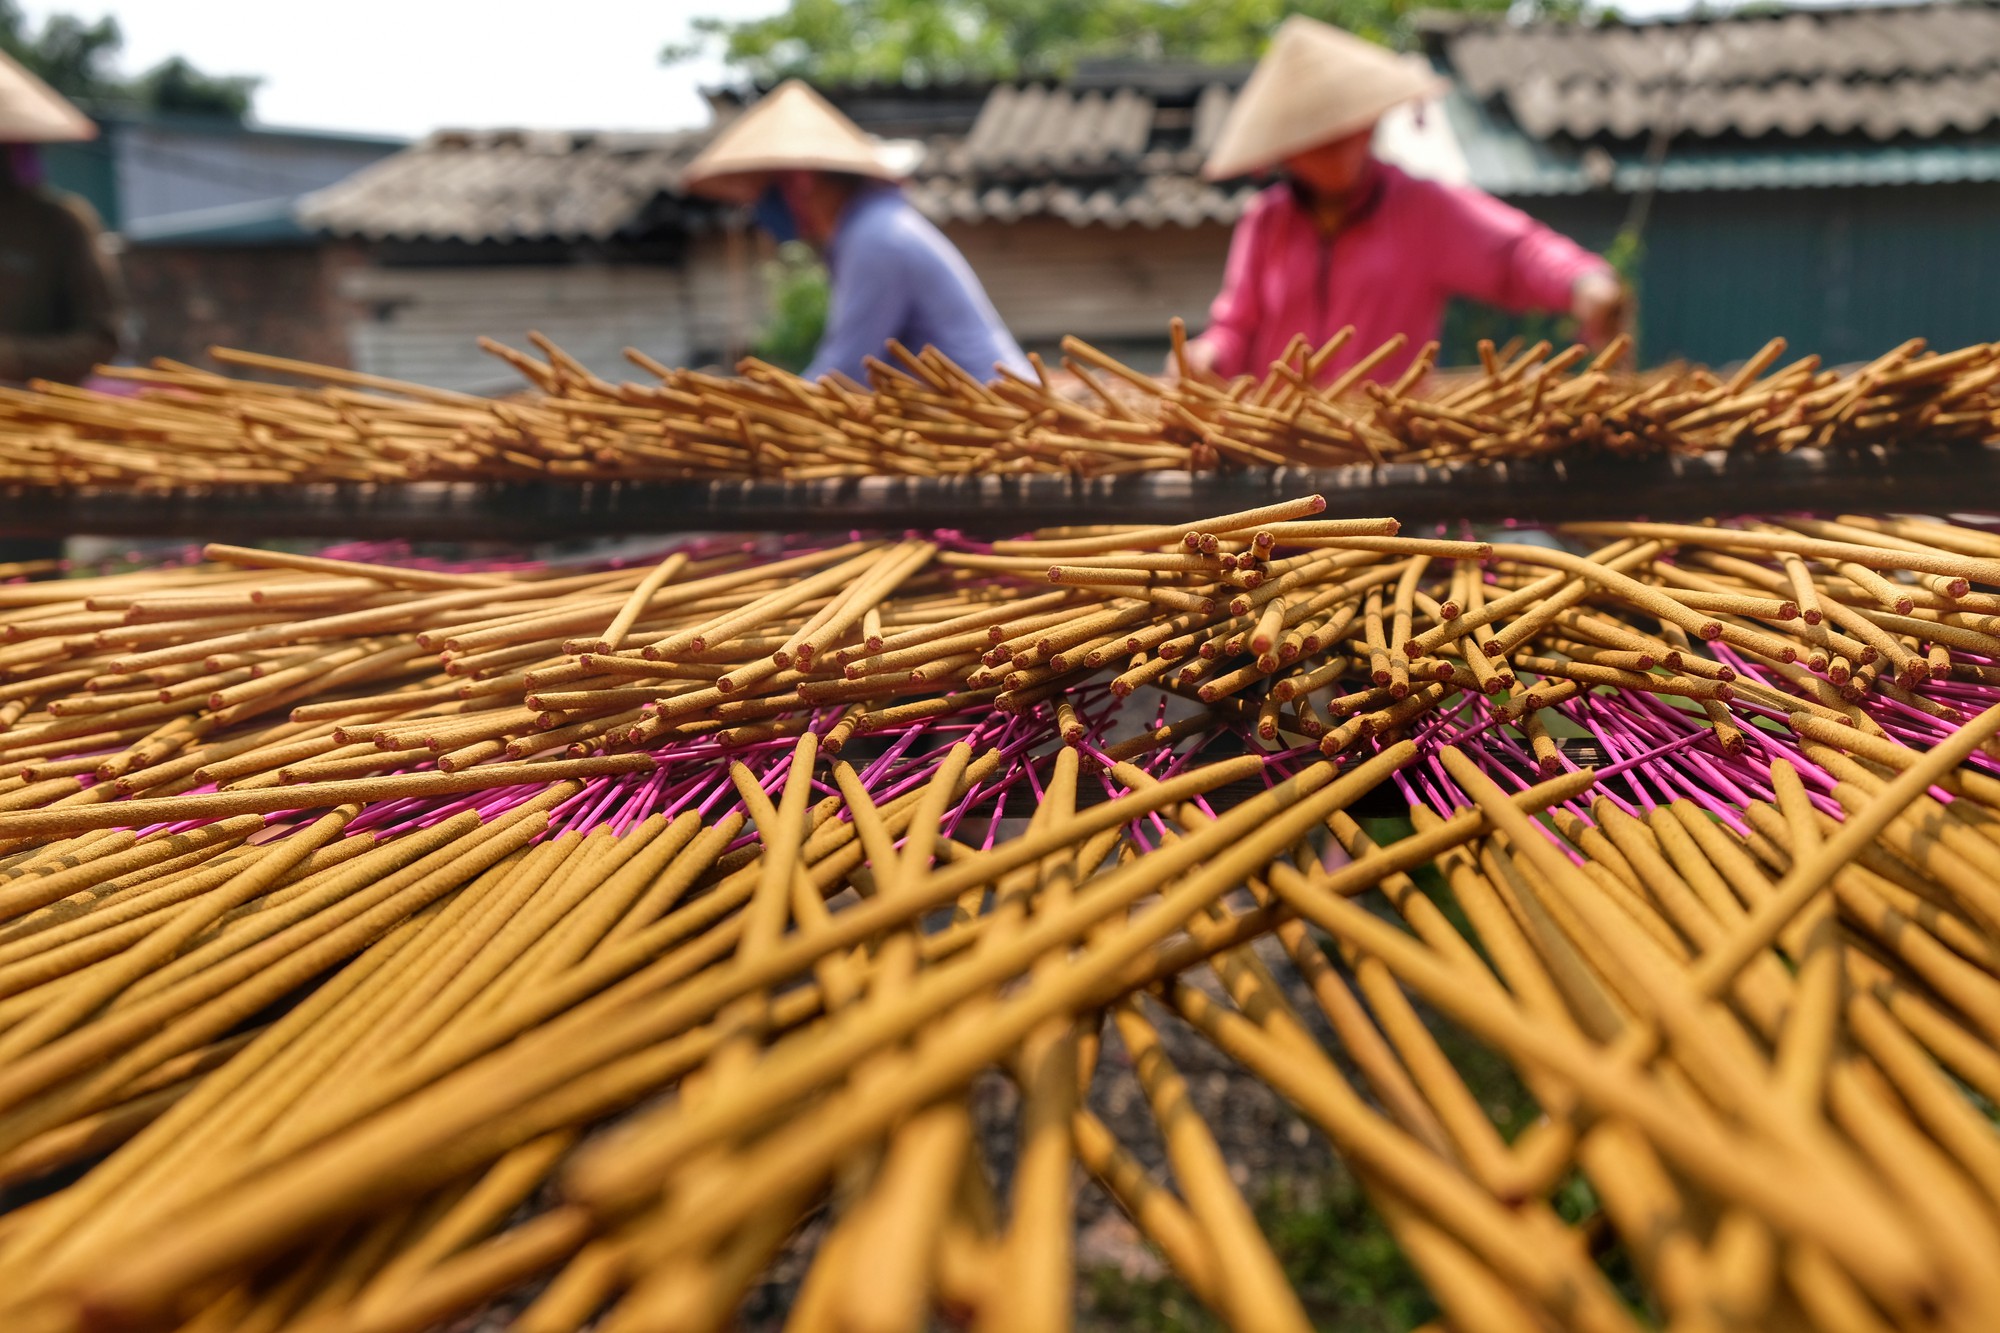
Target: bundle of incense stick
x=349, y=960
x=921, y=415
x=263, y=682
x=349, y=1078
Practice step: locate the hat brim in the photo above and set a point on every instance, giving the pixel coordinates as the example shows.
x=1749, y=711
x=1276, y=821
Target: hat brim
x=744, y=180
x=1230, y=162
x=792, y=128
x=33, y=112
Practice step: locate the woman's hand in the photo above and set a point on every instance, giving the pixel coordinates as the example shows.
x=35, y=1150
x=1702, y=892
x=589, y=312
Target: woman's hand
x=1598, y=301
x=1200, y=358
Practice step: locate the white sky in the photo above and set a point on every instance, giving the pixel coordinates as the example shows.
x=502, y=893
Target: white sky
x=407, y=67
x=410, y=66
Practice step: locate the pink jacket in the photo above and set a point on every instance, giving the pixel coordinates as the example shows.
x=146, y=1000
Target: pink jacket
x=1410, y=246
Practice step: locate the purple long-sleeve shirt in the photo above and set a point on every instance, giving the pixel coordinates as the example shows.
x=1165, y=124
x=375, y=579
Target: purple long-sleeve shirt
x=894, y=275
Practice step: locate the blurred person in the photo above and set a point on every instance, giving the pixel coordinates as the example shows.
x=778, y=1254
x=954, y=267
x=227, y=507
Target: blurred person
x=1347, y=239
x=811, y=174
x=58, y=305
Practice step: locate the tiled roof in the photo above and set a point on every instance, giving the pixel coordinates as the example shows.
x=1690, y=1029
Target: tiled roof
x=512, y=185
x=1117, y=147
x=1882, y=72
x=1878, y=95
x=1097, y=151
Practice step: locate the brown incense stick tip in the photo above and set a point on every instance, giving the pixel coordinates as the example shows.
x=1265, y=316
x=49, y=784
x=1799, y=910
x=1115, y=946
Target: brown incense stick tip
x=1790, y=611
x=1315, y=503
x=1811, y=615
x=1449, y=610
x=1711, y=629
x=1191, y=540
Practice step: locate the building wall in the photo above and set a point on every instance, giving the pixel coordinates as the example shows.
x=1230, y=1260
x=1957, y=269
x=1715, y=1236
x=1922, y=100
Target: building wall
x=1115, y=287
x=283, y=300
x=1847, y=273
x=423, y=322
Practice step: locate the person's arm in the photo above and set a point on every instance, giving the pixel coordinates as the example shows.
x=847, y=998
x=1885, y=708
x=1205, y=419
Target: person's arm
x=1495, y=253
x=89, y=288
x=1223, y=348
x=869, y=305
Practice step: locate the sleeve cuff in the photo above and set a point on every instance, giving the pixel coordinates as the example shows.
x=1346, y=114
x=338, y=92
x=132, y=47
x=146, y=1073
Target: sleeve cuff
x=1229, y=349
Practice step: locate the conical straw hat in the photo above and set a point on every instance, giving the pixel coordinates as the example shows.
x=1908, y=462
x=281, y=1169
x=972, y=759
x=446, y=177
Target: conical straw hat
x=791, y=129
x=33, y=112
x=1314, y=85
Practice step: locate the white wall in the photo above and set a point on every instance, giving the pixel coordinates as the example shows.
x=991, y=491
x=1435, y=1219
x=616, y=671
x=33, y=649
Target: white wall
x=423, y=324
x=1048, y=278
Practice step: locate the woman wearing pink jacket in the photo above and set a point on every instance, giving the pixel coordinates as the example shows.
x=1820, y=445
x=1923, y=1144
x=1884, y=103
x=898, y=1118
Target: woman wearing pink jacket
x=1346, y=239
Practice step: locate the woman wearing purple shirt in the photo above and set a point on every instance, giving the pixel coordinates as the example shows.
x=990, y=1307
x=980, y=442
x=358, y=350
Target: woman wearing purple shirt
x=812, y=173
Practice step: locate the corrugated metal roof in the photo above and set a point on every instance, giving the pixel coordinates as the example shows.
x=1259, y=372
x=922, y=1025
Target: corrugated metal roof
x=1504, y=161
x=266, y=222
x=507, y=185
x=1878, y=71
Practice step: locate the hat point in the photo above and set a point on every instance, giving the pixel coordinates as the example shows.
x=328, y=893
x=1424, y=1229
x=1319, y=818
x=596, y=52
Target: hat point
x=790, y=128
x=1317, y=83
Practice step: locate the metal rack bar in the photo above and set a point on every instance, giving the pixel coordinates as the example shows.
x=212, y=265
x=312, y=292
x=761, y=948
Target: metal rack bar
x=1910, y=478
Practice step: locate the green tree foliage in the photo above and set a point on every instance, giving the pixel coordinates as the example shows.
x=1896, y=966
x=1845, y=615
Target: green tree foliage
x=74, y=58
x=846, y=41
x=799, y=293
